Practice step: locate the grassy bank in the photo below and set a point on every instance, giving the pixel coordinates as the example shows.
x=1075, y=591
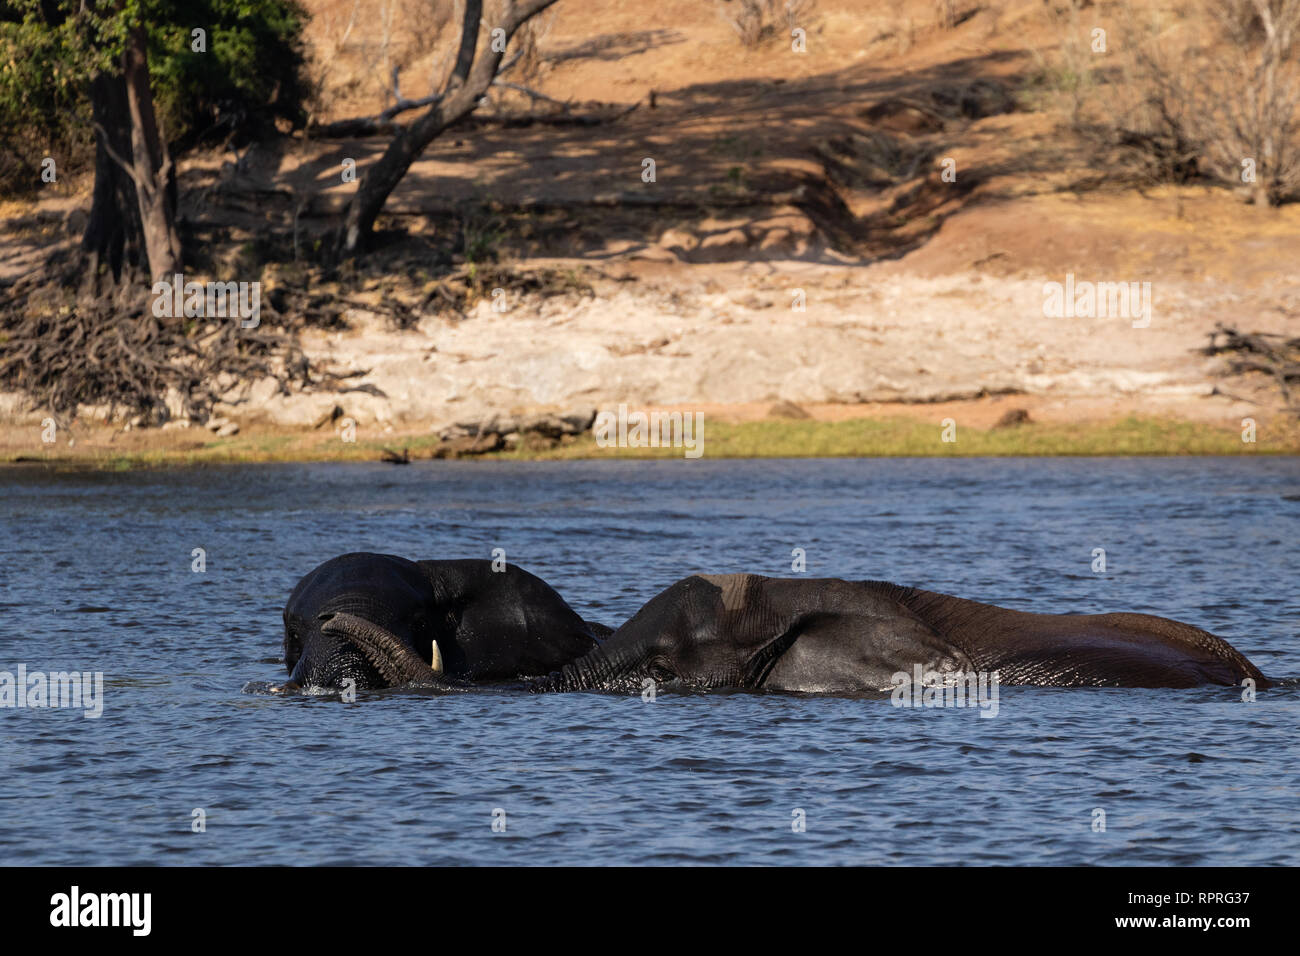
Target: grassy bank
x=761, y=439
x=905, y=438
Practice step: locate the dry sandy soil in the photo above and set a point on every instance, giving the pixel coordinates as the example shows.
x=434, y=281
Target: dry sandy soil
x=776, y=172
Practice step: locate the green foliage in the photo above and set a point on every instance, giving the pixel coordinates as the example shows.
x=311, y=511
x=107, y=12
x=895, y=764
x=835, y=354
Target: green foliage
x=250, y=74
x=44, y=70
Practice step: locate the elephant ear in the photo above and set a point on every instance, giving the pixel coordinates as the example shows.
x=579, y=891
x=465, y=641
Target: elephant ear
x=857, y=638
x=503, y=624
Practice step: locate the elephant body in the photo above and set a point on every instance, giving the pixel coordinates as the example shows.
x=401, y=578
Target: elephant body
x=379, y=620
x=375, y=620
x=833, y=636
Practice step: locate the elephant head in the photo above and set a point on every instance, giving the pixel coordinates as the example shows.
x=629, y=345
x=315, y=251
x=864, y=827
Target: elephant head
x=683, y=634
x=378, y=620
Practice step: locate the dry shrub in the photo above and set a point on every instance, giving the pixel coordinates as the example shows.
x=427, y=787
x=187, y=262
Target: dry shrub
x=1246, y=104
x=1211, y=90
x=757, y=21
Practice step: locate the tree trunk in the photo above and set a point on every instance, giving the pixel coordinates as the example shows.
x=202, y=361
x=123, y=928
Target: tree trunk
x=155, y=176
x=113, y=237
x=132, y=225
x=472, y=76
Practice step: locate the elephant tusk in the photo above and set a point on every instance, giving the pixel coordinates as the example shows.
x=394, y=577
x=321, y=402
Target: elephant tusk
x=435, y=658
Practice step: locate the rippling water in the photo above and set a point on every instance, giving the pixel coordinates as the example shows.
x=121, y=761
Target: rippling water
x=95, y=575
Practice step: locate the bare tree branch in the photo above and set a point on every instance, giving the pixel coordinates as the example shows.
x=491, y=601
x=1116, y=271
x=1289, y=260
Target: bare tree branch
x=527, y=92
x=468, y=42
x=456, y=103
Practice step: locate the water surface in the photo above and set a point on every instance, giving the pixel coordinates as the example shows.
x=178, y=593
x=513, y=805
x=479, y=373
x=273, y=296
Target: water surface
x=96, y=575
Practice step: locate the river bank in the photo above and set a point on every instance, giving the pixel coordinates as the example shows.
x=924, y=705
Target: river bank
x=994, y=427
x=802, y=244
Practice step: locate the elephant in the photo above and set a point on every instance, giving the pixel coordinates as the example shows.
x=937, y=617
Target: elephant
x=834, y=636
x=379, y=620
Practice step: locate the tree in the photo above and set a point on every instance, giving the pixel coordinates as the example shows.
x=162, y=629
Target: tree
x=107, y=73
x=477, y=63
x=79, y=329
x=145, y=172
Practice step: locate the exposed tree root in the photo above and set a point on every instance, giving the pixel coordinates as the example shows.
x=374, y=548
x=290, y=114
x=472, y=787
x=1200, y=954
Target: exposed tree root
x=65, y=345
x=66, y=342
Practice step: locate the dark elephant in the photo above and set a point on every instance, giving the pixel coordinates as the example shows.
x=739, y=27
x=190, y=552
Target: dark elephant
x=833, y=636
x=380, y=621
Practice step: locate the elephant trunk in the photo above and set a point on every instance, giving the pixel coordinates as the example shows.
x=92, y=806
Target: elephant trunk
x=594, y=671
x=390, y=655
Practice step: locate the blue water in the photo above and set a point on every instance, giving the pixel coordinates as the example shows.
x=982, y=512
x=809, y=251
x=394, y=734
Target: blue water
x=95, y=575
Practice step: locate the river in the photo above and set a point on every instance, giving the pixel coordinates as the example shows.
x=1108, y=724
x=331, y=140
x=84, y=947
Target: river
x=190, y=762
